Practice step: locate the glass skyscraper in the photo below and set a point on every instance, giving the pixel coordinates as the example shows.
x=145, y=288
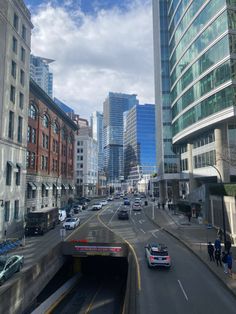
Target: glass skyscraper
x=40, y=73
x=140, y=140
x=113, y=108
x=202, y=45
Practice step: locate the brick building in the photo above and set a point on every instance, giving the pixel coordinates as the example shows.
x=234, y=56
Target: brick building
x=50, y=153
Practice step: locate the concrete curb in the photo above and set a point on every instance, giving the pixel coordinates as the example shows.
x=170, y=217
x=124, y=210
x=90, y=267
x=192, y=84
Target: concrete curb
x=193, y=251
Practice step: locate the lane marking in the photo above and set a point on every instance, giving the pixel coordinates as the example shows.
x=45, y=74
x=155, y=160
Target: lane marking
x=93, y=299
x=184, y=293
x=142, y=230
x=113, y=215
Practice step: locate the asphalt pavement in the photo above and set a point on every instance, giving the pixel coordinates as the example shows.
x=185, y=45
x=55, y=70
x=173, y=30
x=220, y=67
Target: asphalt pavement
x=195, y=237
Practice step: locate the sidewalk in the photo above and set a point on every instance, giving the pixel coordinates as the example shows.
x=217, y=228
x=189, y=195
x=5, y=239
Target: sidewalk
x=195, y=237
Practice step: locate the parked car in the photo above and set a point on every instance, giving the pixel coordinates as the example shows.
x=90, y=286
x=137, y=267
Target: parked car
x=127, y=202
x=71, y=223
x=10, y=265
x=97, y=206
x=136, y=206
x=103, y=202
x=123, y=214
x=157, y=255
x=110, y=199
x=62, y=214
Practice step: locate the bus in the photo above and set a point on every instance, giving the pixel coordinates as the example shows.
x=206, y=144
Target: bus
x=40, y=221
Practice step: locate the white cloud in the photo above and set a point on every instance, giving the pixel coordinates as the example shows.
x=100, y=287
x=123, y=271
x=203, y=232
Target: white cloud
x=111, y=51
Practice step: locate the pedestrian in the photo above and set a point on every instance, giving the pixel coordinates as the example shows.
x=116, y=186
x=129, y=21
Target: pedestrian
x=229, y=262
x=159, y=205
x=217, y=244
x=220, y=234
x=218, y=257
x=210, y=249
x=189, y=216
x=163, y=206
x=227, y=246
x=224, y=261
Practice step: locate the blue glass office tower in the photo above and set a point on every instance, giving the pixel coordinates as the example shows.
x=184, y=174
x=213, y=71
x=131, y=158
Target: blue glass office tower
x=113, y=108
x=140, y=139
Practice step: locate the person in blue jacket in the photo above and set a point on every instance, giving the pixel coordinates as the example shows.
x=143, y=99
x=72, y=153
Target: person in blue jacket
x=230, y=263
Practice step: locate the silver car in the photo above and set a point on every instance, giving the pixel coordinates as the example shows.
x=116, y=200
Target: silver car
x=10, y=265
x=157, y=255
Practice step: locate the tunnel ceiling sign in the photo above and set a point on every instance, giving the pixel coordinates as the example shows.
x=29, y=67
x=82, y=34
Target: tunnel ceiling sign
x=98, y=249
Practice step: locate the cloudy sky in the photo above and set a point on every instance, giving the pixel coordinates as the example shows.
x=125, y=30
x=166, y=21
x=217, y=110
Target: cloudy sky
x=98, y=46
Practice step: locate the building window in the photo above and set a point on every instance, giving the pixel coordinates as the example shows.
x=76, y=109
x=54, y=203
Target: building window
x=22, y=55
x=11, y=125
x=32, y=160
x=45, y=141
x=23, y=32
x=22, y=77
x=55, y=128
x=13, y=69
x=21, y=100
x=28, y=134
x=13, y=94
x=45, y=121
x=27, y=159
x=18, y=175
x=14, y=44
x=16, y=21
x=43, y=190
x=33, y=135
x=20, y=127
x=8, y=173
x=32, y=112
x=16, y=210
x=7, y=211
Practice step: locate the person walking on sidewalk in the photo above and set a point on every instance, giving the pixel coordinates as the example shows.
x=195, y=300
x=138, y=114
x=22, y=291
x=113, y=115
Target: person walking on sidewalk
x=229, y=262
x=224, y=261
x=220, y=234
x=210, y=249
x=217, y=244
x=218, y=257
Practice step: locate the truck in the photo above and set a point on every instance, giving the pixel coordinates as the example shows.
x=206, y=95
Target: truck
x=40, y=221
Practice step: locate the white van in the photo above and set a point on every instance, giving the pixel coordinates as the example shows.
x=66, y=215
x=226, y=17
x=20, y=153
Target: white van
x=62, y=215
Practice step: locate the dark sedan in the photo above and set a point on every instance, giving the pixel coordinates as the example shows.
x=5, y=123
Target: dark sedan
x=123, y=214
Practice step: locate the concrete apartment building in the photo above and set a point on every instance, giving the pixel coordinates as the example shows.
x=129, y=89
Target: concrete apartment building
x=86, y=160
x=50, y=153
x=200, y=40
x=15, y=38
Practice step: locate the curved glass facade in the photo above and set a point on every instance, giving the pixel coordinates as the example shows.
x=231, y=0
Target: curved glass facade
x=202, y=59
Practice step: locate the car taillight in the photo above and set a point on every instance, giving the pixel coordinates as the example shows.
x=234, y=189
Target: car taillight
x=151, y=259
x=168, y=258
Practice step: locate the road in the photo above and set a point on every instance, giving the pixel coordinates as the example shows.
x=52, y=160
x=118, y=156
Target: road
x=188, y=287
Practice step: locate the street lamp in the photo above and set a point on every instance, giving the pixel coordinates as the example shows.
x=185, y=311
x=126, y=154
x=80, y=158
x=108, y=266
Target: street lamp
x=222, y=204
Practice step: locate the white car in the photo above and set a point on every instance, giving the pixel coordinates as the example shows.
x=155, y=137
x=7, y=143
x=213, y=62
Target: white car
x=157, y=255
x=97, y=206
x=71, y=223
x=103, y=202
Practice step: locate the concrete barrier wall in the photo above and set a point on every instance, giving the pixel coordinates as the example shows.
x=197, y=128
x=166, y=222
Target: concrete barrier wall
x=18, y=297
x=57, y=296
x=132, y=291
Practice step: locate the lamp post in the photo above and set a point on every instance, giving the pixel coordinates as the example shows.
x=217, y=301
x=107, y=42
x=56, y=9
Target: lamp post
x=222, y=204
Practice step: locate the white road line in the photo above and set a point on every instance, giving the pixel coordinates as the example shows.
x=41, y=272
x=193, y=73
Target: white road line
x=185, y=295
x=113, y=215
x=153, y=234
x=142, y=230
